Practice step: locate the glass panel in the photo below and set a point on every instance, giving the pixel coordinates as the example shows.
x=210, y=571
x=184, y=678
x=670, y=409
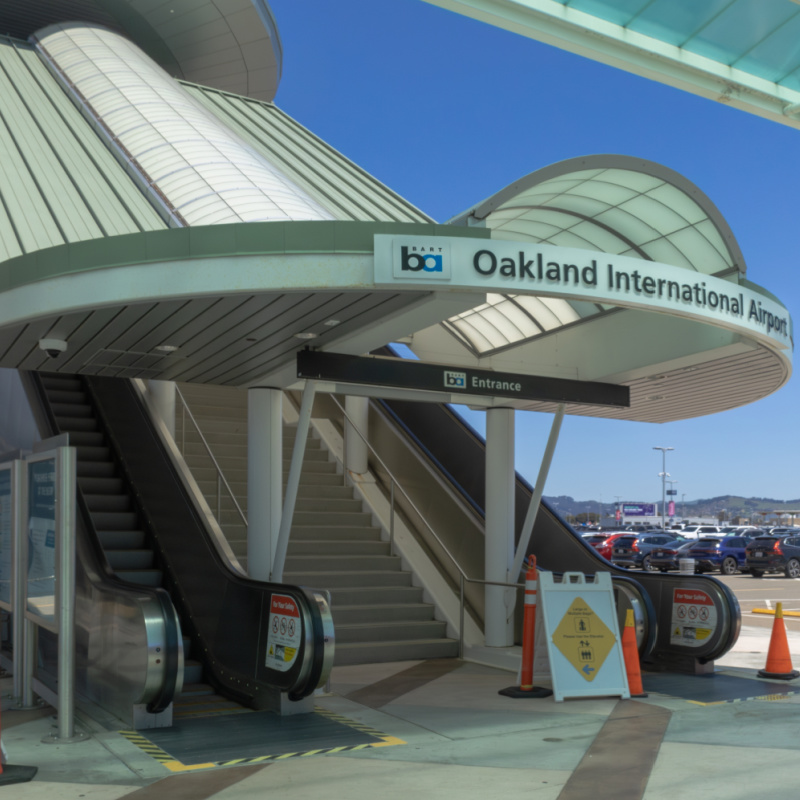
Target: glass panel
x=6, y=534
x=42, y=538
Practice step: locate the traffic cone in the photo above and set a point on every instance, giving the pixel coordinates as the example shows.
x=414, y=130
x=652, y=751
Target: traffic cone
x=779, y=662
x=630, y=652
x=526, y=687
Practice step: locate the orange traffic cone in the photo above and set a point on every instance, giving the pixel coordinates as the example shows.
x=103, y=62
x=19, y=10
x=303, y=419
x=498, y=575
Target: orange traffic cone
x=779, y=662
x=630, y=652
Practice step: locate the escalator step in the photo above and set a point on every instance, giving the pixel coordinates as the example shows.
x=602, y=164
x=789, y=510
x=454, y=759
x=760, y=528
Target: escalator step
x=123, y=560
x=100, y=486
x=71, y=424
x=141, y=577
x=122, y=540
x=71, y=410
x=107, y=502
x=96, y=469
x=93, y=453
x=115, y=520
x=83, y=438
x=68, y=383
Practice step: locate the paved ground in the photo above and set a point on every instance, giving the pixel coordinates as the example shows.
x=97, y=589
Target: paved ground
x=441, y=730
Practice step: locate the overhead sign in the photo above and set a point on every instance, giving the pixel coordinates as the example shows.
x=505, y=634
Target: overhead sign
x=583, y=643
x=508, y=267
x=639, y=509
x=317, y=365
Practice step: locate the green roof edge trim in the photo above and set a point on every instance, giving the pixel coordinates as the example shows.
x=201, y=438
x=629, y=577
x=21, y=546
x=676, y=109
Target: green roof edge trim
x=212, y=241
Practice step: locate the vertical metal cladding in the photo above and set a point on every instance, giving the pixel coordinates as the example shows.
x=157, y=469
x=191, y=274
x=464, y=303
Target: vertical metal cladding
x=204, y=172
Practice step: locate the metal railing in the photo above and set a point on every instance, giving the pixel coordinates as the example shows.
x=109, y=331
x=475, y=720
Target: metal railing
x=393, y=482
x=221, y=480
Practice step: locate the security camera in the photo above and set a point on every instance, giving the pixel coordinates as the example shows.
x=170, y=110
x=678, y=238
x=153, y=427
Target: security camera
x=53, y=347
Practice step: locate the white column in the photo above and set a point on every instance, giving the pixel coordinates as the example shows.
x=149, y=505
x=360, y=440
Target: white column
x=499, y=544
x=264, y=478
x=357, y=409
x=163, y=395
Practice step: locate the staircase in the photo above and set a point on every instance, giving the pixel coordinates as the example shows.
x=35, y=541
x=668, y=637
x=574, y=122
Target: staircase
x=378, y=613
x=117, y=523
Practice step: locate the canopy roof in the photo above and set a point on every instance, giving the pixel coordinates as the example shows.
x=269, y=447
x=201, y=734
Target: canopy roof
x=745, y=53
x=231, y=45
x=615, y=204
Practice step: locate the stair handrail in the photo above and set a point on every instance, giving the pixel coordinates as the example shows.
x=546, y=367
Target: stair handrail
x=463, y=577
x=220, y=475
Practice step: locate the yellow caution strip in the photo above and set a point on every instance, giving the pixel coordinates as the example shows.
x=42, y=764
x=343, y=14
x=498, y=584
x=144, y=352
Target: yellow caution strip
x=169, y=762
x=768, y=697
x=771, y=611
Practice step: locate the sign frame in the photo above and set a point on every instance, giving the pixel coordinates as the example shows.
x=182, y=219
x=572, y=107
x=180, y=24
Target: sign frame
x=557, y=600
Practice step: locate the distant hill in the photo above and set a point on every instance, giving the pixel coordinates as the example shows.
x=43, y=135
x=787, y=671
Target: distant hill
x=732, y=505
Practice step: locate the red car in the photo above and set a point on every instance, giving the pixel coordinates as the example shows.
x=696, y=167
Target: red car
x=607, y=545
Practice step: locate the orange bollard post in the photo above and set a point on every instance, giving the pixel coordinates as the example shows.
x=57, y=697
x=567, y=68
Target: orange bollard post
x=526, y=687
x=779, y=661
x=630, y=652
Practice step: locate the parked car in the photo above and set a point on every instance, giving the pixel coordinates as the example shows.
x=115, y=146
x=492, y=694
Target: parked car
x=698, y=531
x=774, y=554
x=727, y=555
x=605, y=547
x=634, y=550
x=665, y=558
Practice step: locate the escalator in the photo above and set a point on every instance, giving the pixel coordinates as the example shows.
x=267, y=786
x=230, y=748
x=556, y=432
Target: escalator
x=431, y=446
x=152, y=578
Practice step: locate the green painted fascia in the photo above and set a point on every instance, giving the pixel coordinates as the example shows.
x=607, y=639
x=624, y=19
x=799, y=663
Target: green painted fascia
x=212, y=241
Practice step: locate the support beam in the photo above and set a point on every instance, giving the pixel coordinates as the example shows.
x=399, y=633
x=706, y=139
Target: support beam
x=499, y=546
x=355, y=445
x=536, y=499
x=264, y=478
x=293, y=481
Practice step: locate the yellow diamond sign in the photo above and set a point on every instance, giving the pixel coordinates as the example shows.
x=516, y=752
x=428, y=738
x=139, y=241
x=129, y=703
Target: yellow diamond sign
x=584, y=639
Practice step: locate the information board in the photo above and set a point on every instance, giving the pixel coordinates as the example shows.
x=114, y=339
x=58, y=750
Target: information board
x=583, y=642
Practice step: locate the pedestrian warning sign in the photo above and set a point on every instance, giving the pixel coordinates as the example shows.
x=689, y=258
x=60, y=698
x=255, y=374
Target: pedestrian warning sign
x=285, y=633
x=583, y=642
x=584, y=639
x=694, y=617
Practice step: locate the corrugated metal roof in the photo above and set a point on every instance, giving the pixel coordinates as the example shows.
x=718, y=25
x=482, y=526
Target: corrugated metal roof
x=59, y=182
x=348, y=191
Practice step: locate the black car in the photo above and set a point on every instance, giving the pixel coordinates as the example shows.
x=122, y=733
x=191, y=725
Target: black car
x=666, y=557
x=634, y=550
x=774, y=554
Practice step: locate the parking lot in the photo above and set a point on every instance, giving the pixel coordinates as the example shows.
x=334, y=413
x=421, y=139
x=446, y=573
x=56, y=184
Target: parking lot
x=765, y=593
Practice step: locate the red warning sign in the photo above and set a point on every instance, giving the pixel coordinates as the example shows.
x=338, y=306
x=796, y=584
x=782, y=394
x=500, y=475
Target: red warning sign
x=285, y=631
x=694, y=617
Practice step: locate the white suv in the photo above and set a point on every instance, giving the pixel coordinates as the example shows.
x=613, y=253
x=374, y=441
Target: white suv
x=706, y=531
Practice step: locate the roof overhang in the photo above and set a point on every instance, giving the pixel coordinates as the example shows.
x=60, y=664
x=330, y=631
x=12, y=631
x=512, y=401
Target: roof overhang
x=233, y=304
x=729, y=70
x=232, y=45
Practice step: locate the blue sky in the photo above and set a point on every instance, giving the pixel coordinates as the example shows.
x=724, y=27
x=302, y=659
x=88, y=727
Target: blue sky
x=446, y=111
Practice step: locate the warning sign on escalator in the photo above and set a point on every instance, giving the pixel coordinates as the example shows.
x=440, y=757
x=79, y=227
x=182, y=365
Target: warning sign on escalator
x=284, y=637
x=694, y=617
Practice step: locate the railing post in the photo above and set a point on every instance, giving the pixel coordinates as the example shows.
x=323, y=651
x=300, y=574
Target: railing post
x=391, y=516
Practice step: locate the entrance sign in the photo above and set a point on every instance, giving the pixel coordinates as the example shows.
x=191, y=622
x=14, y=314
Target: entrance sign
x=317, y=365
x=694, y=617
x=639, y=509
x=583, y=643
x=507, y=267
x=285, y=633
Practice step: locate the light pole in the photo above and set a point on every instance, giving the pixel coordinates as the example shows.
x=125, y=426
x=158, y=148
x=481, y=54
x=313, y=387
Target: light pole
x=683, y=506
x=664, y=475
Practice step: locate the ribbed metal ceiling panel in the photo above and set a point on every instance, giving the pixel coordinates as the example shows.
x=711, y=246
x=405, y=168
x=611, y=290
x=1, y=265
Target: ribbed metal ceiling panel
x=58, y=181
x=348, y=191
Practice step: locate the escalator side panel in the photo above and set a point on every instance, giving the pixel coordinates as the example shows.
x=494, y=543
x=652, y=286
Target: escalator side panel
x=458, y=453
x=226, y=614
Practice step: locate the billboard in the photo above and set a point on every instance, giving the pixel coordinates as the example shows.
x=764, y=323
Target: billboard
x=639, y=509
